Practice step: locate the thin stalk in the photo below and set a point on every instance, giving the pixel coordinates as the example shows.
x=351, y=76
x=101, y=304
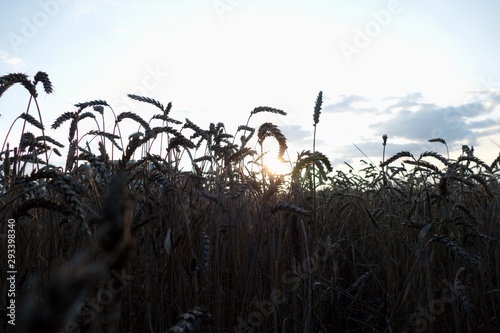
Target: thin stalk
x=309, y=280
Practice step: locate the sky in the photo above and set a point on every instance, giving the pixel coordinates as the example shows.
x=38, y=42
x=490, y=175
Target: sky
x=414, y=70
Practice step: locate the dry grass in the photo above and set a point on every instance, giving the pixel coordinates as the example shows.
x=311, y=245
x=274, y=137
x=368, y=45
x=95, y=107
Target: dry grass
x=133, y=245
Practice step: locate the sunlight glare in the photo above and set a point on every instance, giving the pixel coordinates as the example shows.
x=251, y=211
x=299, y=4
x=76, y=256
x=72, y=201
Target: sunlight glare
x=276, y=166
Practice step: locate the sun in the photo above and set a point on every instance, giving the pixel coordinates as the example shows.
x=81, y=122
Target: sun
x=273, y=163
x=276, y=166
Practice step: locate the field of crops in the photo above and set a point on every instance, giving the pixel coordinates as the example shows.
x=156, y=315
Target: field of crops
x=123, y=238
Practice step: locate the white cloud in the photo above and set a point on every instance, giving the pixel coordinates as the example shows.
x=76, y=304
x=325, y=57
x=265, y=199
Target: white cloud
x=11, y=60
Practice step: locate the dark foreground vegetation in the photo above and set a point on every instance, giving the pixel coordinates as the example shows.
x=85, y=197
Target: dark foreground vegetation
x=122, y=238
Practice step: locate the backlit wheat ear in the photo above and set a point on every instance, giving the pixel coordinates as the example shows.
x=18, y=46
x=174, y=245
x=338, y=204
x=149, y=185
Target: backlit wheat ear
x=30, y=119
x=289, y=207
x=94, y=103
x=268, y=129
x=62, y=118
x=170, y=130
x=44, y=78
x=9, y=80
x=495, y=163
x=180, y=141
x=396, y=157
x=168, y=109
x=190, y=321
x=27, y=141
x=457, y=250
x=102, y=150
x=308, y=158
x=317, y=108
x=267, y=109
x=166, y=118
x=207, y=252
x=35, y=147
x=444, y=143
x=75, y=117
x=461, y=292
x=133, y=116
x=241, y=154
x=109, y=136
x=474, y=159
x=437, y=156
x=438, y=140
x=22, y=210
x=50, y=140
x=68, y=188
x=135, y=141
x=167, y=242
x=147, y=100
x=328, y=242
x=483, y=183
x=198, y=131
x=70, y=159
x=72, y=201
x=209, y=195
x=98, y=165
x=423, y=164
x=468, y=151
x=359, y=283
x=239, y=191
x=245, y=138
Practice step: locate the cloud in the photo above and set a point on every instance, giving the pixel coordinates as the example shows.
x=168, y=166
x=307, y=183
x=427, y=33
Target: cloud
x=352, y=103
x=489, y=98
x=299, y=138
x=415, y=120
x=11, y=60
x=410, y=121
x=483, y=124
x=295, y=133
x=405, y=102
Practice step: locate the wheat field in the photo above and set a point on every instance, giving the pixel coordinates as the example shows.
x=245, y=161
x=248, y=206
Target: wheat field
x=122, y=238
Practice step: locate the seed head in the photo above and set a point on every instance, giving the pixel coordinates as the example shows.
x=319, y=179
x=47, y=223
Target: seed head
x=384, y=138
